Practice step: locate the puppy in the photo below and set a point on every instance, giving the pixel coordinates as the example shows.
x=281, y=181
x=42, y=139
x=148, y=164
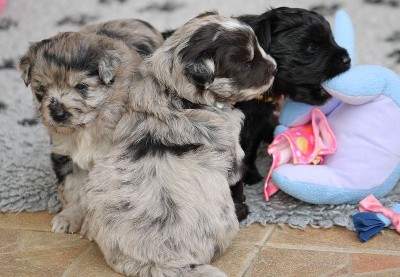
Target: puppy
x=303, y=46
x=159, y=203
x=137, y=34
x=80, y=83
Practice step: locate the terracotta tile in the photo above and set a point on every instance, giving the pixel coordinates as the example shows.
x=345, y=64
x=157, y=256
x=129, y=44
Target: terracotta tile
x=47, y=262
x=236, y=260
x=385, y=273
x=334, y=239
x=255, y=234
x=287, y=262
x=90, y=264
x=26, y=220
x=362, y=263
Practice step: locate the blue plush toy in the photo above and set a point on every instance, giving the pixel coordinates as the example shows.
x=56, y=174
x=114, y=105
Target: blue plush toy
x=364, y=115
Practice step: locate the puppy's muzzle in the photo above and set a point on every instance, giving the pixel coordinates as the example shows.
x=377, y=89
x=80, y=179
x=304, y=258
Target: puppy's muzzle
x=58, y=112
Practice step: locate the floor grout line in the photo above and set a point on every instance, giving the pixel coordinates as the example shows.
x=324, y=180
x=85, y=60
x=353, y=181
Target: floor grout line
x=269, y=234
x=252, y=262
x=256, y=257
x=387, y=272
x=345, y=266
x=77, y=260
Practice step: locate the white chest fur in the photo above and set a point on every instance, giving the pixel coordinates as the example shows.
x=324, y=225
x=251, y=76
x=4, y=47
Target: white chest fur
x=82, y=147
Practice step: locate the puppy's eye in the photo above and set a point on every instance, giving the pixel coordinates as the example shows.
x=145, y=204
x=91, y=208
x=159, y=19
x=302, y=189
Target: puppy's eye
x=81, y=86
x=39, y=97
x=311, y=48
x=41, y=89
x=245, y=66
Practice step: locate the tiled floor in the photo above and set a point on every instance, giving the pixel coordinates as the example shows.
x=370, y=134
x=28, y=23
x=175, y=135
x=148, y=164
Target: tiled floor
x=28, y=248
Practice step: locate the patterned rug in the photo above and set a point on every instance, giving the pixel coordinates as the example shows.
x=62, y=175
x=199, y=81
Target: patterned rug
x=26, y=178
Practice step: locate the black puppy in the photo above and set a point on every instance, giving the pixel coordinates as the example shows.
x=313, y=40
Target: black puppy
x=302, y=44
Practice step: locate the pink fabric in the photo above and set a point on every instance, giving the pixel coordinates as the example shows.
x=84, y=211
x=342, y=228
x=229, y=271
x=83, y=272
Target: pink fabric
x=371, y=204
x=2, y=4
x=304, y=144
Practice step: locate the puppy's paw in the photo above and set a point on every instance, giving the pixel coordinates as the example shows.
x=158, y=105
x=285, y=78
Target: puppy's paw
x=242, y=210
x=251, y=177
x=64, y=224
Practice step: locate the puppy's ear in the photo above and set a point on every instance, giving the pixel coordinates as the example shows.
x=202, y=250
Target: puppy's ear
x=200, y=71
x=25, y=65
x=262, y=26
x=108, y=65
x=197, y=55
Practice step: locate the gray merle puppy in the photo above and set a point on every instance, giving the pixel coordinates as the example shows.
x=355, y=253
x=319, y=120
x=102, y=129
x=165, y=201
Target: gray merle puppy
x=159, y=203
x=80, y=83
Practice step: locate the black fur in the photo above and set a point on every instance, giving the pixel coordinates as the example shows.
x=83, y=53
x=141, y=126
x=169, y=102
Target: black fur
x=167, y=34
x=144, y=46
x=241, y=209
x=84, y=60
x=254, y=133
x=302, y=44
x=149, y=145
x=62, y=165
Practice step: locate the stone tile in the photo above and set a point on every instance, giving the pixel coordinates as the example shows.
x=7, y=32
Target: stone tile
x=254, y=234
x=336, y=239
x=34, y=241
x=237, y=259
x=90, y=264
x=362, y=263
x=27, y=220
x=287, y=262
x=37, y=253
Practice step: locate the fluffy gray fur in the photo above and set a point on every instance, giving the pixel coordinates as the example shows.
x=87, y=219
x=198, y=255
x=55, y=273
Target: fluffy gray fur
x=159, y=203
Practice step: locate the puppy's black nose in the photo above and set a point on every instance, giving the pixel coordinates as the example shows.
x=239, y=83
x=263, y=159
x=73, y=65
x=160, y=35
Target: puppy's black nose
x=58, y=112
x=346, y=60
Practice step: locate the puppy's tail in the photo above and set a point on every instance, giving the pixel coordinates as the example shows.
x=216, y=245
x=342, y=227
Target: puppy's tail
x=192, y=270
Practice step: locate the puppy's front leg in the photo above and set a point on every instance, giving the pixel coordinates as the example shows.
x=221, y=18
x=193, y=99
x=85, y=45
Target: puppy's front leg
x=236, y=183
x=71, y=181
